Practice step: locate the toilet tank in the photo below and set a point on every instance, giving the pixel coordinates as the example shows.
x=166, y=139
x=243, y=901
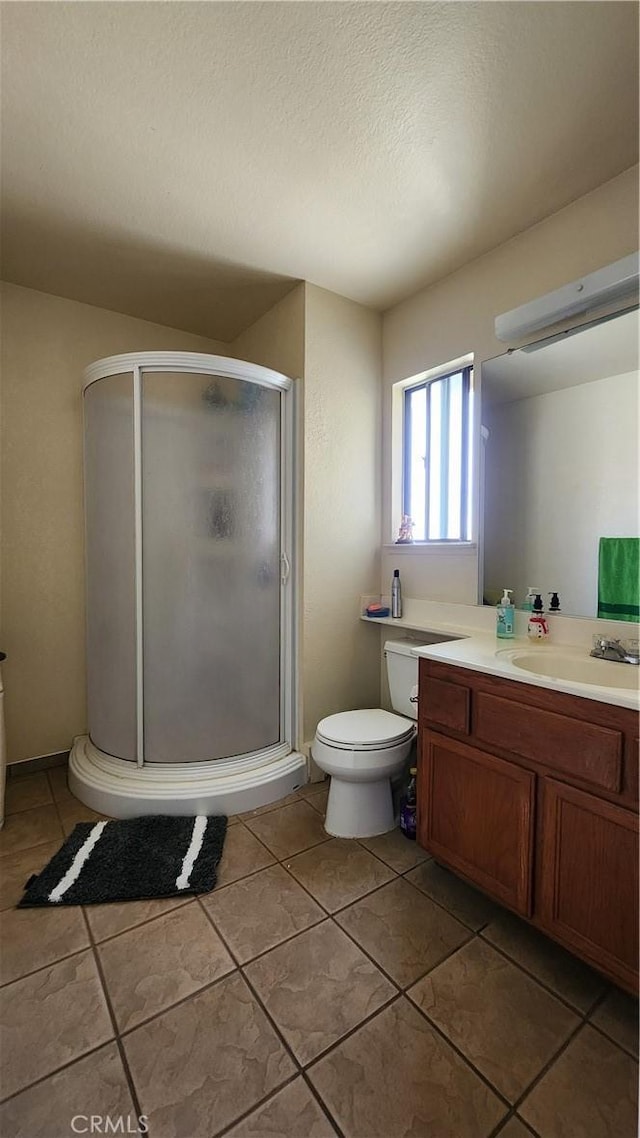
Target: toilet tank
x=402, y=673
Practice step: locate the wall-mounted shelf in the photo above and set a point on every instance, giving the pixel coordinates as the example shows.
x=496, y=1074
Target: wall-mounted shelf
x=412, y=626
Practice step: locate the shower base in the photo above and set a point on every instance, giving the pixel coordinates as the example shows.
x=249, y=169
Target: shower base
x=121, y=789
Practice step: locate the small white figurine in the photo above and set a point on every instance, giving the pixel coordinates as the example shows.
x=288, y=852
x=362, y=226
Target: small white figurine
x=405, y=536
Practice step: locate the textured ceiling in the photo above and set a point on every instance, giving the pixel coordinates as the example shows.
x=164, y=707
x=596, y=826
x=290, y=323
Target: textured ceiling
x=186, y=162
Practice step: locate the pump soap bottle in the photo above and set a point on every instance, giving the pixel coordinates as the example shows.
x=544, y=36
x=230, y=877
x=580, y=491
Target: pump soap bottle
x=537, y=628
x=529, y=599
x=396, y=594
x=505, y=617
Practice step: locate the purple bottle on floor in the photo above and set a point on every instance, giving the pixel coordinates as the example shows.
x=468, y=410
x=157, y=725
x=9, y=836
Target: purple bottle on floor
x=408, y=809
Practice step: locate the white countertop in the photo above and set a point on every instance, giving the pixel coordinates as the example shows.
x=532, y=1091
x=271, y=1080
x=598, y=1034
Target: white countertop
x=484, y=653
x=479, y=650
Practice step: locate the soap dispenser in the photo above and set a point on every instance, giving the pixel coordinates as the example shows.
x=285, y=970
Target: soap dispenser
x=505, y=621
x=537, y=628
x=529, y=599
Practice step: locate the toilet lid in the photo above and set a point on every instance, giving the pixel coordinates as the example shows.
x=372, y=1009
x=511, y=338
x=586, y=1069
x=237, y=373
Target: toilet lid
x=370, y=728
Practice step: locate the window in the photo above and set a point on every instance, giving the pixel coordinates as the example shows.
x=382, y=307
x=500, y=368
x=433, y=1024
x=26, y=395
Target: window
x=437, y=456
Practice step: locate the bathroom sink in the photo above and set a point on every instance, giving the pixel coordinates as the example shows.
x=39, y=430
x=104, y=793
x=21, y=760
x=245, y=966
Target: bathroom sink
x=576, y=667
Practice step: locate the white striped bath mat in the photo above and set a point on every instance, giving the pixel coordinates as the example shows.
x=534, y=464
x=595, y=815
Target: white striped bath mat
x=131, y=860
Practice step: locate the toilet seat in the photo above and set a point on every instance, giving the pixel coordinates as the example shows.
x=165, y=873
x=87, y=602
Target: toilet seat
x=371, y=729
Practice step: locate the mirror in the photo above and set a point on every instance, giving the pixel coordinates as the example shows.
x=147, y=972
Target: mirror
x=559, y=461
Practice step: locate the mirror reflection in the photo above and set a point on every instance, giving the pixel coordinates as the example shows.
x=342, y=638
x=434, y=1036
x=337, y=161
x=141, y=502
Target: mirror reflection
x=560, y=461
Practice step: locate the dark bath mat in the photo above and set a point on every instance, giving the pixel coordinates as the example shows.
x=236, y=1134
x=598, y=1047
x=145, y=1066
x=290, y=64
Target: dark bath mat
x=131, y=860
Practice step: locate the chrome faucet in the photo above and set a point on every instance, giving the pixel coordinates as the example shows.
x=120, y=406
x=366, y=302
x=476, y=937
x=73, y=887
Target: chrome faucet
x=620, y=651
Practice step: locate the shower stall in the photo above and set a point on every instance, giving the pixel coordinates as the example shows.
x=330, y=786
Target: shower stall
x=191, y=582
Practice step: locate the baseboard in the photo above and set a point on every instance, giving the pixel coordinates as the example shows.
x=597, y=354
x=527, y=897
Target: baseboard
x=315, y=774
x=40, y=763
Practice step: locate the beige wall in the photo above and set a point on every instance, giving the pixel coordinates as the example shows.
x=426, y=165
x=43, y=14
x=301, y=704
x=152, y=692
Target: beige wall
x=276, y=340
x=456, y=315
x=341, y=662
x=47, y=341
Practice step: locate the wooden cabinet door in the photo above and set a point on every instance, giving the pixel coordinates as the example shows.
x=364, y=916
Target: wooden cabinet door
x=587, y=891
x=475, y=814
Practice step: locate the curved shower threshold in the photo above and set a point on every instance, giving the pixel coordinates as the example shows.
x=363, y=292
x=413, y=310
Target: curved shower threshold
x=121, y=789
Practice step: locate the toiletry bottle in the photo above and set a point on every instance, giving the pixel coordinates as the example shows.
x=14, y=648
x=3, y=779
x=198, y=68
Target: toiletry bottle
x=537, y=628
x=529, y=599
x=505, y=617
x=408, y=811
x=396, y=594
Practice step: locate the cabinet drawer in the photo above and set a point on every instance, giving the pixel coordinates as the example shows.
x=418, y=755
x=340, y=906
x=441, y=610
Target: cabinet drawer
x=444, y=704
x=585, y=751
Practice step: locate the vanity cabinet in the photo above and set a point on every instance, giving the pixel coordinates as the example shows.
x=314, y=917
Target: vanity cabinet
x=532, y=795
x=476, y=815
x=588, y=891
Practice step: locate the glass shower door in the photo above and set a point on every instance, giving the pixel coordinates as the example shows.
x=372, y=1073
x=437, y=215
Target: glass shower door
x=109, y=459
x=211, y=516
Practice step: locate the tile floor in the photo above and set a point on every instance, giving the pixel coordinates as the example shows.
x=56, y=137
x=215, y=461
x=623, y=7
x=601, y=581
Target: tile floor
x=325, y=987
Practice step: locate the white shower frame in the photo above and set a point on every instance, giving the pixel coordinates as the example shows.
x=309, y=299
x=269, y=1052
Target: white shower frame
x=124, y=789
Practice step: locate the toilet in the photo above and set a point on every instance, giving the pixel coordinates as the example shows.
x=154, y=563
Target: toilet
x=363, y=750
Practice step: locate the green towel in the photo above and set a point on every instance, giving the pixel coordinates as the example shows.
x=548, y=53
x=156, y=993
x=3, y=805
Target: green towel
x=619, y=578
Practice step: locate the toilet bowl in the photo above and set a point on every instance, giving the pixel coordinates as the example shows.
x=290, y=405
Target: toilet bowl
x=361, y=751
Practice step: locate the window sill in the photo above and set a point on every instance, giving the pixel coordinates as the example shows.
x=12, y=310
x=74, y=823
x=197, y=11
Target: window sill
x=437, y=548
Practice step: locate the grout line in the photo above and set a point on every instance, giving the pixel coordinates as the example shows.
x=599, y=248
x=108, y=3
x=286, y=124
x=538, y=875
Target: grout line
x=43, y=967
x=271, y=807
x=582, y=1021
x=126, y=1031
x=300, y=1068
x=327, y=915
x=541, y=983
x=28, y=849
x=499, y=1129
x=322, y=1104
x=249, y=984
x=147, y=921
x=332, y=912
x=286, y=864
x=400, y=872
x=123, y=1058
x=547, y=1067
x=599, y=1000
x=261, y=1102
x=461, y=1055
x=350, y=904
x=393, y=999
x=610, y=1039
x=399, y=992
x=27, y=810
x=285, y=857
x=57, y=1070
x=480, y=928
x=403, y=988
x=271, y=948
x=57, y=807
